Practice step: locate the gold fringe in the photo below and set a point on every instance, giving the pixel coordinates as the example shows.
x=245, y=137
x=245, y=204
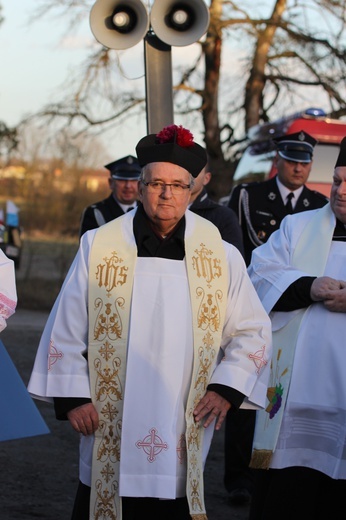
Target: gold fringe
x=199, y=517
x=261, y=459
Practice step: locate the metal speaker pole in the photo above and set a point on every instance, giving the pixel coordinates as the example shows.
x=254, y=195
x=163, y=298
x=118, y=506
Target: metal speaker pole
x=158, y=83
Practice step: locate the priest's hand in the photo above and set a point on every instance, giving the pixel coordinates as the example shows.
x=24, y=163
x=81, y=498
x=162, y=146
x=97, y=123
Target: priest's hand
x=331, y=291
x=84, y=419
x=336, y=300
x=212, y=406
x=321, y=286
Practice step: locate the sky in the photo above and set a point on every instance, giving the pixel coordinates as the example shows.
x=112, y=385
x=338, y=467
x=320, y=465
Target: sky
x=33, y=59
x=37, y=57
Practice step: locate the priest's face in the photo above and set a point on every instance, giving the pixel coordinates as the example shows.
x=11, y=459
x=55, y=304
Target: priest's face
x=338, y=193
x=165, y=205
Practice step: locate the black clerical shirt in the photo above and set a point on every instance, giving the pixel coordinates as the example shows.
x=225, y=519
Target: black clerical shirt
x=149, y=243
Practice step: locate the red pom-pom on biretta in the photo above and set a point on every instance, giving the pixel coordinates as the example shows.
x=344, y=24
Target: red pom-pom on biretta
x=176, y=134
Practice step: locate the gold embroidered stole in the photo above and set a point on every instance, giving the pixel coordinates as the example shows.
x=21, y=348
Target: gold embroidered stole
x=110, y=287
x=208, y=279
x=311, y=256
x=111, y=276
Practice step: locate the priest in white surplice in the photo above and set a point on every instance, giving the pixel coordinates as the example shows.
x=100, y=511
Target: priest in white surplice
x=300, y=276
x=156, y=333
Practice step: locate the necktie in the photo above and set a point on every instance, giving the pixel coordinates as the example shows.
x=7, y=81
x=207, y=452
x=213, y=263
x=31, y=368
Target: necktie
x=129, y=209
x=288, y=206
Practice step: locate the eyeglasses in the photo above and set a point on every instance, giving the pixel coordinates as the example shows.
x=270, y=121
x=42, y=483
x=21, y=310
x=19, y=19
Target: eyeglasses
x=159, y=187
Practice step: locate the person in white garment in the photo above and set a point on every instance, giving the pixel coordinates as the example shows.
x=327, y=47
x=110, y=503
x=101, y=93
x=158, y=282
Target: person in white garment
x=8, y=291
x=300, y=276
x=157, y=332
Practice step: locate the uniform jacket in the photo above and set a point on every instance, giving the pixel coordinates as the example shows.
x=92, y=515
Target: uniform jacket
x=223, y=218
x=109, y=209
x=260, y=210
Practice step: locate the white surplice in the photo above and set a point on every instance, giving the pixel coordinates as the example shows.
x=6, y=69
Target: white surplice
x=159, y=364
x=313, y=430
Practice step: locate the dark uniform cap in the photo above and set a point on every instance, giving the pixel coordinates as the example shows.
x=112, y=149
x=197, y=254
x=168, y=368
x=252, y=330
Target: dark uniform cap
x=298, y=147
x=173, y=144
x=341, y=160
x=126, y=168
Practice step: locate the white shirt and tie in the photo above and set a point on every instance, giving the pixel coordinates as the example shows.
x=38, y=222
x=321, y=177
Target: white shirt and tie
x=289, y=198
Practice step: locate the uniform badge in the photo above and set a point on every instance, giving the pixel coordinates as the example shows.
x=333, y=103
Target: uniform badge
x=272, y=222
x=272, y=196
x=306, y=203
x=261, y=234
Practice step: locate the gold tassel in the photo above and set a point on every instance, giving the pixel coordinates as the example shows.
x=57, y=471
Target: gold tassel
x=261, y=459
x=199, y=517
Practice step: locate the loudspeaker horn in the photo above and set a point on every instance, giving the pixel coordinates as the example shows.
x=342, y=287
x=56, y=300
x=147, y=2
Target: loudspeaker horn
x=179, y=23
x=119, y=24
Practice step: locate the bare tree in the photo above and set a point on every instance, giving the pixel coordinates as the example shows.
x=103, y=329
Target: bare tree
x=8, y=136
x=289, y=53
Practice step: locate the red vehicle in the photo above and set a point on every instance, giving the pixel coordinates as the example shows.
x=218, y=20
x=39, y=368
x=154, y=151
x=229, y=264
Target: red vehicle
x=256, y=163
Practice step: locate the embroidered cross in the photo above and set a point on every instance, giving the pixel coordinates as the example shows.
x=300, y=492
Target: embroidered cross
x=107, y=472
x=181, y=449
x=53, y=355
x=259, y=359
x=152, y=445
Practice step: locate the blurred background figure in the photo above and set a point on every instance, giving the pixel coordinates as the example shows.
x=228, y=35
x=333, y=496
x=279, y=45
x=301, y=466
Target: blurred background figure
x=222, y=217
x=123, y=182
x=10, y=233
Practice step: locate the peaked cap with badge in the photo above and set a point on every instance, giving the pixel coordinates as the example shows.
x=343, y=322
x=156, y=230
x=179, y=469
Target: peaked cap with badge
x=174, y=144
x=341, y=160
x=126, y=168
x=297, y=147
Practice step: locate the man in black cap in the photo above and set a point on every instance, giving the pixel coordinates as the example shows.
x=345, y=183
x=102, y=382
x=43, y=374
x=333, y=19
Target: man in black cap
x=260, y=207
x=155, y=335
x=123, y=182
x=300, y=442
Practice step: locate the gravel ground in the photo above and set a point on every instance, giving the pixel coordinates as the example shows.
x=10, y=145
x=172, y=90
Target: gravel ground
x=39, y=474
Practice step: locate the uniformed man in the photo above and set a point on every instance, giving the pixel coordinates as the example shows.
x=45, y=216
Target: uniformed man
x=260, y=207
x=123, y=182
